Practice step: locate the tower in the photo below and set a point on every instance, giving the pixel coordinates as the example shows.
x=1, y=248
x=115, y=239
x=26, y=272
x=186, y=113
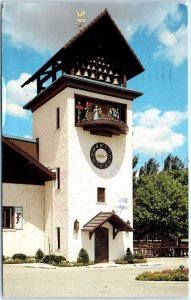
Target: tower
x=83, y=122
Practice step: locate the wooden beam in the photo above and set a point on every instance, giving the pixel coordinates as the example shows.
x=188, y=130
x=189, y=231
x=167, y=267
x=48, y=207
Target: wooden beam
x=115, y=232
x=90, y=235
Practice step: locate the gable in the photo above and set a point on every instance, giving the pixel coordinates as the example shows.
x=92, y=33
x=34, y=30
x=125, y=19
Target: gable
x=100, y=38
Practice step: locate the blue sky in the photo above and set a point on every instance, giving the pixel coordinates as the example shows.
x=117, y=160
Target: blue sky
x=157, y=32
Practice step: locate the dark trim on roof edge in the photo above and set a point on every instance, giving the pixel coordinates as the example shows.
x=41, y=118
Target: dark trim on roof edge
x=42, y=168
x=82, y=84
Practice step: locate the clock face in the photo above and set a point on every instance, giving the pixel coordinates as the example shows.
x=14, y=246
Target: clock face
x=101, y=155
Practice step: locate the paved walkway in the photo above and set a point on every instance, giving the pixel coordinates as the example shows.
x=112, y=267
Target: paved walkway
x=100, y=280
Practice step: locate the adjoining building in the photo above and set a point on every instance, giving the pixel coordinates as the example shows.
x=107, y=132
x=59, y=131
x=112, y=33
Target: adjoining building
x=71, y=187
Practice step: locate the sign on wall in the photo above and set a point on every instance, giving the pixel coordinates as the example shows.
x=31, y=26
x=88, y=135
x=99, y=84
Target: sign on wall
x=18, y=216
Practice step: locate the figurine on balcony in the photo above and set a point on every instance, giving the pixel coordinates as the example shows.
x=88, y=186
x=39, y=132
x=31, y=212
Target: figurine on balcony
x=87, y=108
x=117, y=114
x=109, y=114
x=113, y=114
x=96, y=110
x=99, y=113
x=80, y=109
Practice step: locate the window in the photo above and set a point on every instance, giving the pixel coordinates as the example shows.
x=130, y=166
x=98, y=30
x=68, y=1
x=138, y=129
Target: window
x=12, y=217
x=58, y=177
x=101, y=194
x=58, y=237
x=57, y=118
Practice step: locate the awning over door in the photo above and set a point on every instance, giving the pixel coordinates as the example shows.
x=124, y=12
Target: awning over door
x=111, y=217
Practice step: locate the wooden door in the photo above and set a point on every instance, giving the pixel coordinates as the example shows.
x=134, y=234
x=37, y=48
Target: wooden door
x=101, y=245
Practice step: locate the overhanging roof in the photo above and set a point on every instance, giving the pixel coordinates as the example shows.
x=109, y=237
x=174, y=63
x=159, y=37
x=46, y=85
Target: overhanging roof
x=110, y=217
x=81, y=84
x=20, y=167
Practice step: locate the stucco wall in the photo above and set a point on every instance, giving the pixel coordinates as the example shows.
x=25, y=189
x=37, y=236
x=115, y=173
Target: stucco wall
x=84, y=181
x=29, y=239
x=69, y=148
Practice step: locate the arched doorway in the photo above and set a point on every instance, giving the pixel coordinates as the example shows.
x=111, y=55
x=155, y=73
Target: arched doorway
x=101, y=245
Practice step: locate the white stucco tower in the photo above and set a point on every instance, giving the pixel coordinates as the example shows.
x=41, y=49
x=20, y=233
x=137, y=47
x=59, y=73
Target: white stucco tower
x=83, y=124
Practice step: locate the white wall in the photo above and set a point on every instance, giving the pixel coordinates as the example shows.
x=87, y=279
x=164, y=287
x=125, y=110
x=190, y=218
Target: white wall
x=29, y=239
x=84, y=178
x=69, y=148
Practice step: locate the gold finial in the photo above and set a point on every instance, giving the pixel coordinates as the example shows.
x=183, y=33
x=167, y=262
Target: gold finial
x=80, y=14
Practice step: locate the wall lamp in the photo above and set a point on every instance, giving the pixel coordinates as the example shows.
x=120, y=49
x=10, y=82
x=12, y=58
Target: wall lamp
x=76, y=226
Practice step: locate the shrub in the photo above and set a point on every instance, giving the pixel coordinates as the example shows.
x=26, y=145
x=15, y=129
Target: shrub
x=140, y=260
x=129, y=256
x=48, y=258
x=29, y=260
x=20, y=256
x=166, y=275
x=121, y=262
x=58, y=259
x=53, y=258
x=3, y=257
x=39, y=254
x=83, y=257
x=139, y=255
x=13, y=261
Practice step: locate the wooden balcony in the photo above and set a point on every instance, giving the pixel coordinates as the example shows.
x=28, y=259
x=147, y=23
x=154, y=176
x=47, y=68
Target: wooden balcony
x=105, y=127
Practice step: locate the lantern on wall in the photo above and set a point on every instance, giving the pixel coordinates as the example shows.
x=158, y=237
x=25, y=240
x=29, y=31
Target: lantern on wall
x=76, y=226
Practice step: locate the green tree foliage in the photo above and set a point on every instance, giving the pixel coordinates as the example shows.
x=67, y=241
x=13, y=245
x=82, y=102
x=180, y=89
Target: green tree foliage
x=135, y=162
x=83, y=256
x=150, y=168
x=161, y=205
x=129, y=256
x=173, y=163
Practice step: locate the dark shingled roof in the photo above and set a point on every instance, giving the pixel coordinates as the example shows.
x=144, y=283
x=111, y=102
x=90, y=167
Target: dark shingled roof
x=103, y=217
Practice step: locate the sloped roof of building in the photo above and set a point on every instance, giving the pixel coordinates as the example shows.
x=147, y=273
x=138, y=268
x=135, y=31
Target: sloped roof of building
x=28, y=145
x=21, y=167
x=103, y=217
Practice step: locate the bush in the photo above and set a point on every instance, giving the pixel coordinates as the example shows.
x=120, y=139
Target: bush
x=29, y=260
x=58, y=259
x=14, y=261
x=48, y=258
x=129, y=256
x=139, y=255
x=3, y=258
x=83, y=257
x=53, y=258
x=140, y=260
x=39, y=254
x=167, y=275
x=121, y=262
x=20, y=256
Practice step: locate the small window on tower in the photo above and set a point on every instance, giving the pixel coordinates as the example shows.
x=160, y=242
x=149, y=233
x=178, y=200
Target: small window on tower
x=57, y=118
x=101, y=194
x=58, y=237
x=58, y=177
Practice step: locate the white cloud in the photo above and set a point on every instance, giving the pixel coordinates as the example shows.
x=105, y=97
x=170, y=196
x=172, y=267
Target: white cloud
x=154, y=131
x=174, y=45
x=14, y=97
x=48, y=28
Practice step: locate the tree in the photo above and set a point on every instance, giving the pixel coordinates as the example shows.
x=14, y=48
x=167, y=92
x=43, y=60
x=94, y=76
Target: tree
x=161, y=206
x=173, y=163
x=135, y=162
x=150, y=168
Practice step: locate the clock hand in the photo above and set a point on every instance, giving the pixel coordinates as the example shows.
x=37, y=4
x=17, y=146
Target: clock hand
x=100, y=155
